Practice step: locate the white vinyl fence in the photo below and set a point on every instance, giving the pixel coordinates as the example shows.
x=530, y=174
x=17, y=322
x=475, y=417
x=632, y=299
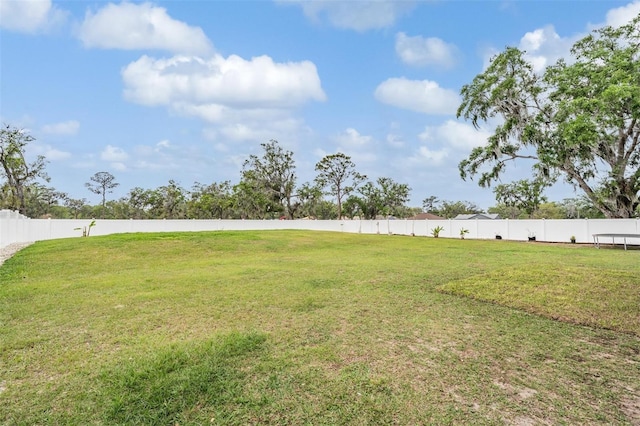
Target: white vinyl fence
x=17, y=228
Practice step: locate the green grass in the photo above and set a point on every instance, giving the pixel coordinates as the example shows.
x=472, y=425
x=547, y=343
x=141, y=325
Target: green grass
x=597, y=297
x=181, y=384
x=292, y=327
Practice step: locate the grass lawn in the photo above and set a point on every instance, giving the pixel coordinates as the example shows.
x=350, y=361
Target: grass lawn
x=294, y=327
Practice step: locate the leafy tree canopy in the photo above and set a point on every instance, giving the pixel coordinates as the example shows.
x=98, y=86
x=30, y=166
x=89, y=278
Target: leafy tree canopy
x=384, y=197
x=578, y=119
x=338, y=173
x=102, y=183
x=451, y=209
x=274, y=174
x=18, y=173
x=524, y=195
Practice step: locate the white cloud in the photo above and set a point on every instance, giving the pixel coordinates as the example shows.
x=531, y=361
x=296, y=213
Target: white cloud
x=215, y=113
x=53, y=154
x=544, y=47
x=70, y=127
x=447, y=136
x=395, y=141
x=163, y=144
x=120, y=167
x=220, y=83
x=355, y=15
x=622, y=15
x=353, y=139
x=141, y=26
x=425, y=155
x=154, y=166
x=248, y=99
x=359, y=147
x=220, y=147
x=320, y=153
x=30, y=16
x=113, y=154
x=455, y=134
x=254, y=129
x=243, y=132
x=161, y=156
x=50, y=153
x=420, y=51
x=422, y=96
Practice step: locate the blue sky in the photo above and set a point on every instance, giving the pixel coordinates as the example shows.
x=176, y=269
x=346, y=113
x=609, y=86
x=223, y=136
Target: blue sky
x=187, y=90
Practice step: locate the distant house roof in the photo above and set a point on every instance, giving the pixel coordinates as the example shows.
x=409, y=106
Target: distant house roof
x=426, y=216
x=477, y=216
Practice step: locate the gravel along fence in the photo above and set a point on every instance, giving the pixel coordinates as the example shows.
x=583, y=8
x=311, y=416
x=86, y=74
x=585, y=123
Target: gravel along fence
x=11, y=249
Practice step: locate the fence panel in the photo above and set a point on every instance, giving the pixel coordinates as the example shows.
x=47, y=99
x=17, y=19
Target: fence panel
x=17, y=228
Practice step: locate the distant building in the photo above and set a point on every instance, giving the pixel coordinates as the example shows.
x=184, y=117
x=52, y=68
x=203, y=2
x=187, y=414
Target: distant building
x=426, y=216
x=484, y=216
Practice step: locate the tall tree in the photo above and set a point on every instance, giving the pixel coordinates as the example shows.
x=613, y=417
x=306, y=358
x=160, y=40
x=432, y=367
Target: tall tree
x=394, y=196
x=210, y=201
x=549, y=211
x=168, y=201
x=525, y=195
x=102, y=183
x=275, y=173
x=338, y=172
x=18, y=172
x=506, y=212
x=451, y=209
x=354, y=206
x=140, y=201
x=40, y=200
x=308, y=200
x=579, y=119
x=429, y=203
x=75, y=205
x=383, y=197
x=580, y=208
x=250, y=201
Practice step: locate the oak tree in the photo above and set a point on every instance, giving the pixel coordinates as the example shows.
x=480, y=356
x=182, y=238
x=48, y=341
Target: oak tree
x=384, y=197
x=16, y=170
x=524, y=195
x=275, y=174
x=579, y=119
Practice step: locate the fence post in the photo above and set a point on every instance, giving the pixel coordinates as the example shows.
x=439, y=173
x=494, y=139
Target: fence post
x=588, y=230
x=3, y=228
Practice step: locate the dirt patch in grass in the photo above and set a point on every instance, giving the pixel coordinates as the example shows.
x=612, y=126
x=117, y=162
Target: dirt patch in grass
x=631, y=407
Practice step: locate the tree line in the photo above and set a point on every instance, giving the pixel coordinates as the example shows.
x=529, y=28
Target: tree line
x=267, y=189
